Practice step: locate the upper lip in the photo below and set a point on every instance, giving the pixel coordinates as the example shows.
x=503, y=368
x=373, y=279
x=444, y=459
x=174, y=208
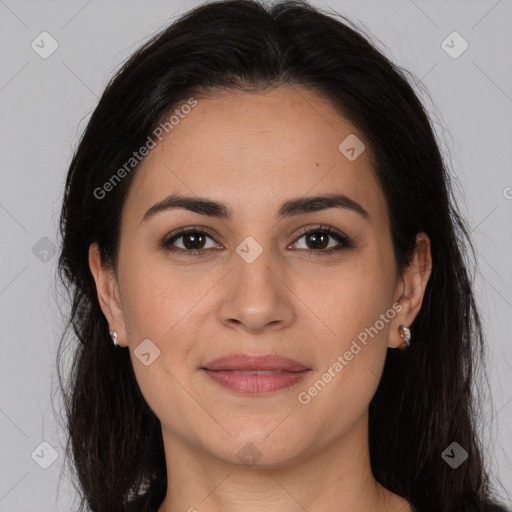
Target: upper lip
x=255, y=362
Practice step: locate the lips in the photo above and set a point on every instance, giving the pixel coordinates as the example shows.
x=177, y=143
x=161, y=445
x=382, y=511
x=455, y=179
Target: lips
x=255, y=375
x=245, y=362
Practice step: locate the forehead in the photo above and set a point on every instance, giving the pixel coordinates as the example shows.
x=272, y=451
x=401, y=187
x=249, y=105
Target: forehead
x=255, y=150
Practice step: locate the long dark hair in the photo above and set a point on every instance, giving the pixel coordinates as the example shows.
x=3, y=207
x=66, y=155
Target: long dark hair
x=426, y=398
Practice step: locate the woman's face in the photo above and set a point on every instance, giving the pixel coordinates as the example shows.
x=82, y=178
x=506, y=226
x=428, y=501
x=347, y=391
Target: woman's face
x=261, y=286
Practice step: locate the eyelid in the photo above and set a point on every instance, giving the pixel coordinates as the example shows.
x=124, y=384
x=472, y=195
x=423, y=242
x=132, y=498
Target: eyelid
x=171, y=237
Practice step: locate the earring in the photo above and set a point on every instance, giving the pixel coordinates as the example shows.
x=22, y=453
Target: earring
x=113, y=335
x=405, y=333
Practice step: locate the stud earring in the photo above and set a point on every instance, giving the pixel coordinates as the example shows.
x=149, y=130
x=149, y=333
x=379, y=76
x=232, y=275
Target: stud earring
x=113, y=335
x=405, y=333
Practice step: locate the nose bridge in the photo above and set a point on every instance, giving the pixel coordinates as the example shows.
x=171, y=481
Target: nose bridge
x=256, y=295
x=254, y=267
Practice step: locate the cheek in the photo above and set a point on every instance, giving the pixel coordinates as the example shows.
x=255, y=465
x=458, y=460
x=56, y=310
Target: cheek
x=157, y=299
x=346, y=299
x=349, y=372
x=167, y=308
x=161, y=309
x=355, y=308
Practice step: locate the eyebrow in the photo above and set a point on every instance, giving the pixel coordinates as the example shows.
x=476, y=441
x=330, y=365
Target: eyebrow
x=296, y=206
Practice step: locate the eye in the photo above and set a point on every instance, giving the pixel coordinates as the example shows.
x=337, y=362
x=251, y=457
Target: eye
x=193, y=241
x=317, y=240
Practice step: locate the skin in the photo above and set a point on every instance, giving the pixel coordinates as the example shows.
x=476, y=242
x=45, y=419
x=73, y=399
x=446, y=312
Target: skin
x=252, y=152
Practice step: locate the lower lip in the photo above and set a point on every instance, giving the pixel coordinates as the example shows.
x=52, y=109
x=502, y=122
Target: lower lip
x=255, y=384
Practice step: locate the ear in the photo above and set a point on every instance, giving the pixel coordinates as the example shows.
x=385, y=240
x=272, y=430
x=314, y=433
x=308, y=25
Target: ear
x=411, y=289
x=108, y=293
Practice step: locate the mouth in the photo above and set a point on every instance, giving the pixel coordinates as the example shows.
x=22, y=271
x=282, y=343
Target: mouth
x=255, y=375
x=255, y=372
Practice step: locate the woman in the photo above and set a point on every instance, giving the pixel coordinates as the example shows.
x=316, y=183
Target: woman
x=269, y=281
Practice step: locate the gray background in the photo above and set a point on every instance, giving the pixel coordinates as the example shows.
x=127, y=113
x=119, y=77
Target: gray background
x=45, y=104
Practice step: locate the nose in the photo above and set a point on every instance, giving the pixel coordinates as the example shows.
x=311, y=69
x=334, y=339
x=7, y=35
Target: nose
x=257, y=296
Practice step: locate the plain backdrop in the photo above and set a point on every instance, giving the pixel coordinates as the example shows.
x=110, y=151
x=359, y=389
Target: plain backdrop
x=46, y=102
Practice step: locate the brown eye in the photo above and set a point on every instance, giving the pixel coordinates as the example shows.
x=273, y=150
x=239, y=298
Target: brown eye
x=317, y=240
x=192, y=241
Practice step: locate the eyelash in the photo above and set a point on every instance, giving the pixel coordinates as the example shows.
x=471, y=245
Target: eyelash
x=345, y=241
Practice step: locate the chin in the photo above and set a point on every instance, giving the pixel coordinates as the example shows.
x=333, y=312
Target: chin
x=259, y=450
